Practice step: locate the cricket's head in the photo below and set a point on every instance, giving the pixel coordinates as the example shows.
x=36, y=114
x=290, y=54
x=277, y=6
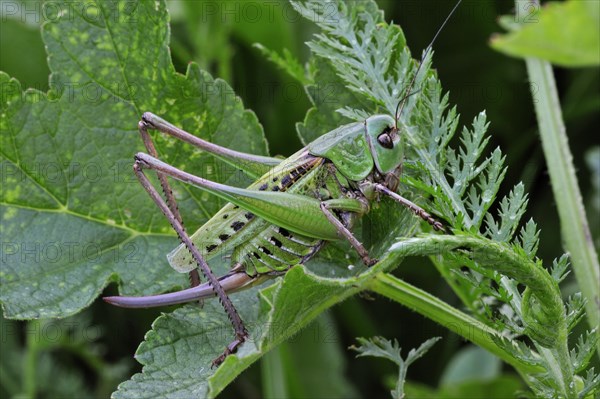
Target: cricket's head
x=385, y=143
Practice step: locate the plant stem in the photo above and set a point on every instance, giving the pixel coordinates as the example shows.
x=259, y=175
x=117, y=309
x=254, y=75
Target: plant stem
x=444, y=314
x=574, y=226
x=499, y=257
x=273, y=375
x=31, y=353
x=560, y=368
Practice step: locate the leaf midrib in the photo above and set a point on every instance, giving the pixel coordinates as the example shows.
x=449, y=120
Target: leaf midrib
x=64, y=210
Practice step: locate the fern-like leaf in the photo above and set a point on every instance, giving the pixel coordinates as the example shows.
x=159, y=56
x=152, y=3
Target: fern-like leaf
x=560, y=268
x=575, y=309
x=383, y=348
x=499, y=279
x=583, y=352
x=529, y=238
x=591, y=385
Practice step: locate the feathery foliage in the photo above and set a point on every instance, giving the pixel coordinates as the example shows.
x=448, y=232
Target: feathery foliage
x=390, y=350
x=492, y=265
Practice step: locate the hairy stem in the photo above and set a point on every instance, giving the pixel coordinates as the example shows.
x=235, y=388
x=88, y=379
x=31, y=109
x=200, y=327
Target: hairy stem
x=573, y=221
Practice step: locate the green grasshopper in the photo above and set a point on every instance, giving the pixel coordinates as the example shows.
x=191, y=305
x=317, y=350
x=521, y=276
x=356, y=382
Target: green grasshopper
x=285, y=217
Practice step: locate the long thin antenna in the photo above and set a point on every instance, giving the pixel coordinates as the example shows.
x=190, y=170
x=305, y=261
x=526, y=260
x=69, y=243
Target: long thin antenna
x=402, y=102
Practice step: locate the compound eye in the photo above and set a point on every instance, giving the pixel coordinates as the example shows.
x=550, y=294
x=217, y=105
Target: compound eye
x=385, y=140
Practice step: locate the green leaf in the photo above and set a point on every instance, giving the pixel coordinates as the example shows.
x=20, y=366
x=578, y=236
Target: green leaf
x=361, y=48
x=327, y=94
x=74, y=218
x=566, y=34
x=172, y=367
x=512, y=208
x=581, y=355
x=529, y=238
x=369, y=57
x=591, y=385
x=178, y=352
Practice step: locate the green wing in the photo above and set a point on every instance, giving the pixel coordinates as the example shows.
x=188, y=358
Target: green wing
x=284, y=197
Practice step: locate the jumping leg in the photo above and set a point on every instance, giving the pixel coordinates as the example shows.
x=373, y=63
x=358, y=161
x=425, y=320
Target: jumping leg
x=166, y=187
x=238, y=325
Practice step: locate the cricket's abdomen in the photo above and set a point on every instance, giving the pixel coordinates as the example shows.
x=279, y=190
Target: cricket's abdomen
x=260, y=246
x=275, y=250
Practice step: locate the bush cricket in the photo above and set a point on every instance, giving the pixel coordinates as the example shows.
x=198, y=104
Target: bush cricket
x=286, y=215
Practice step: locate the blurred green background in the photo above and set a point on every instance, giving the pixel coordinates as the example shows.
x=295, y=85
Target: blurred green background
x=219, y=36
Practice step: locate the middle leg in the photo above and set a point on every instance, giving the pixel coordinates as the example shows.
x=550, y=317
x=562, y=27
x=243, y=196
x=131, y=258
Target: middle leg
x=343, y=230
